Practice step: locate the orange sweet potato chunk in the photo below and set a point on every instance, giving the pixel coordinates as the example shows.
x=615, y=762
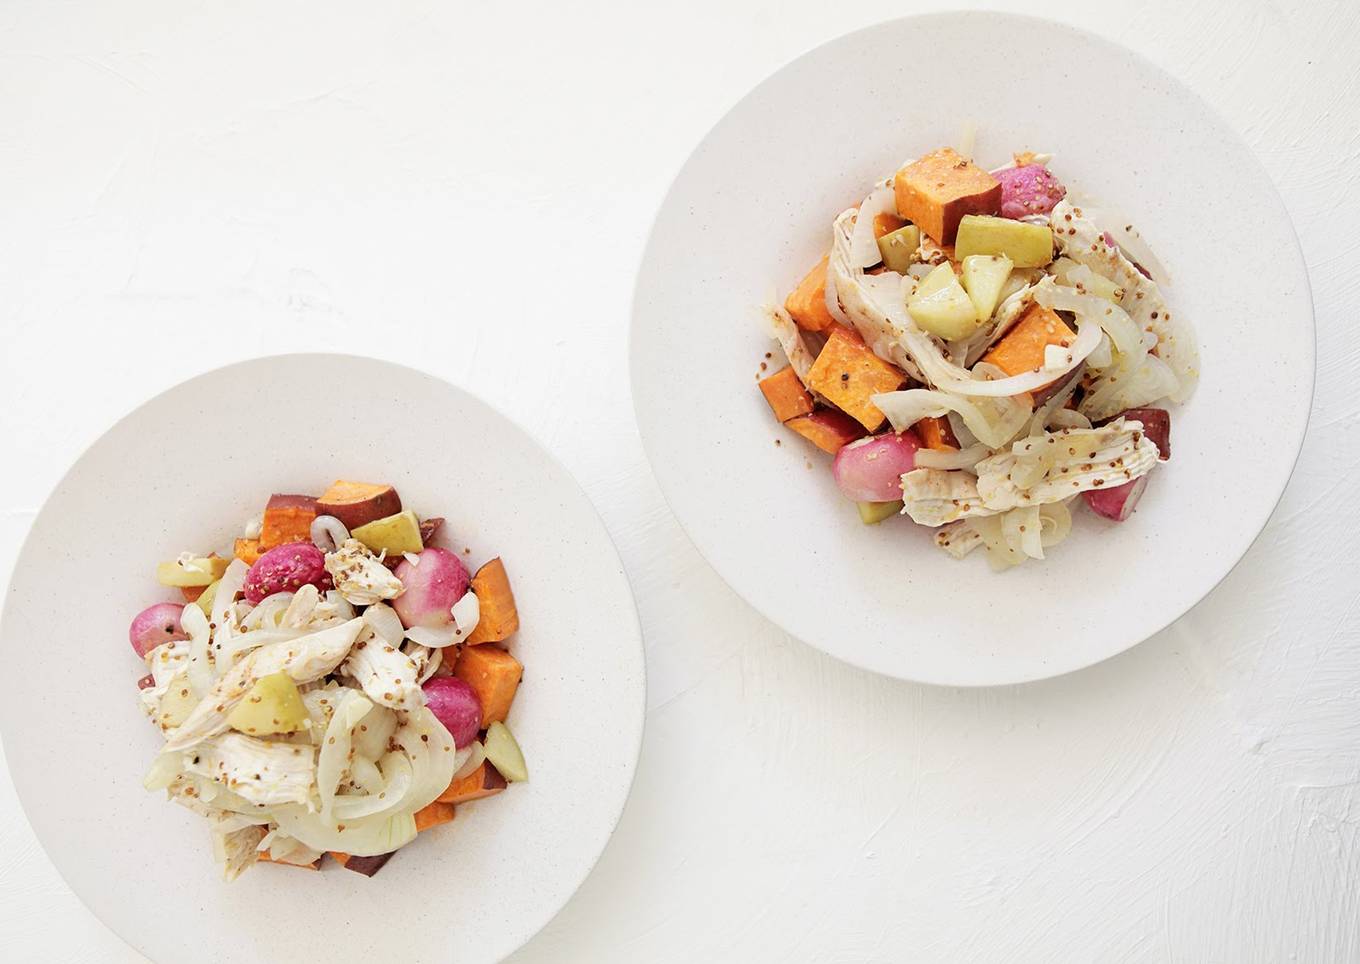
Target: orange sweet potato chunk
x=485, y=781
x=936, y=191
x=806, y=305
x=1022, y=348
x=433, y=814
x=287, y=518
x=494, y=675
x=786, y=394
x=247, y=550
x=935, y=433
x=847, y=373
x=827, y=429
x=886, y=224
x=499, y=617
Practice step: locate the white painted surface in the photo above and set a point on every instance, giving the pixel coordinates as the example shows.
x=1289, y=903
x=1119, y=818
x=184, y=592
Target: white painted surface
x=184, y=187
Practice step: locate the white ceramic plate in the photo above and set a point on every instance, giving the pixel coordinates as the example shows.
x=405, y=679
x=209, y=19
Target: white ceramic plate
x=185, y=470
x=751, y=211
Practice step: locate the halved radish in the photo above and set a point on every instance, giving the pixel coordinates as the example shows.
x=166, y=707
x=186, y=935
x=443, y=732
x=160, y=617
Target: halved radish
x=871, y=469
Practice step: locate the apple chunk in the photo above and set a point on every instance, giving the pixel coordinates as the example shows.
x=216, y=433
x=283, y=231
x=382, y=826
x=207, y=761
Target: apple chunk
x=358, y=503
x=273, y=705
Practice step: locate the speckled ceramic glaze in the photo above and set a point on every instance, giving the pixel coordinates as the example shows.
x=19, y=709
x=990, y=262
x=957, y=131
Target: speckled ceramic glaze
x=185, y=471
x=751, y=212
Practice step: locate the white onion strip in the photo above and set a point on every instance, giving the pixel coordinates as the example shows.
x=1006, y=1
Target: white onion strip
x=864, y=251
x=957, y=459
x=328, y=533
x=1127, y=339
x=334, y=756
x=467, y=613
x=993, y=421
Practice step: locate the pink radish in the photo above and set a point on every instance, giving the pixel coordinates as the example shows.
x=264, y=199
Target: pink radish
x=1117, y=503
x=155, y=625
x=1029, y=189
x=455, y=704
x=871, y=469
x=285, y=569
x=432, y=585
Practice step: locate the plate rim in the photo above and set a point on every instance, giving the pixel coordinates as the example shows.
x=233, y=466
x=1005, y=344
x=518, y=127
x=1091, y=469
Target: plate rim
x=633, y=758
x=1299, y=431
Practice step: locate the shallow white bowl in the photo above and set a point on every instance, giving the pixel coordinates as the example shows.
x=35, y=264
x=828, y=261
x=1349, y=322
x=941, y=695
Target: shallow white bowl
x=185, y=471
x=751, y=211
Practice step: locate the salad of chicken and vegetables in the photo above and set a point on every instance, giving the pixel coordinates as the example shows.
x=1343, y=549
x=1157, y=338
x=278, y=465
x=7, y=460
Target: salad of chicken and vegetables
x=978, y=352
x=336, y=685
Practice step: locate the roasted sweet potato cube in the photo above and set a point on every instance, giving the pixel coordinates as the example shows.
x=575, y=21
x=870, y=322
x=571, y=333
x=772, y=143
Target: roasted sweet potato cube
x=494, y=674
x=847, y=373
x=1022, y=348
x=287, y=518
x=499, y=617
x=247, y=550
x=827, y=429
x=433, y=814
x=806, y=305
x=935, y=433
x=786, y=394
x=937, y=190
x=485, y=781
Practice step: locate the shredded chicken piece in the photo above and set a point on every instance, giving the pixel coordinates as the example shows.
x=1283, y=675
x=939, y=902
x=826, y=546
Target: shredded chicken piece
x=387, y=675
x=958, y=538
x=359, y=576
x=260, y=771
x=934, y=497
x=304, y=659
x=1064, y=463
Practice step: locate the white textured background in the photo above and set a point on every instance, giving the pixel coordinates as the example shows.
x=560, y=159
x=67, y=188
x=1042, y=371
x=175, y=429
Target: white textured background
x=466, y=187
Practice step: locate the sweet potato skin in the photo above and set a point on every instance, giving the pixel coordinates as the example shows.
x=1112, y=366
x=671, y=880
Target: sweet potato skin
x=827, y=429
x=499, y=615
x=358, y=503
x=494, y=674
x=937, y=190
x=485, y=781
x=786, y=394
x=287, y=518
x=368, y=866
x=848, y=373
x=806, y=304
